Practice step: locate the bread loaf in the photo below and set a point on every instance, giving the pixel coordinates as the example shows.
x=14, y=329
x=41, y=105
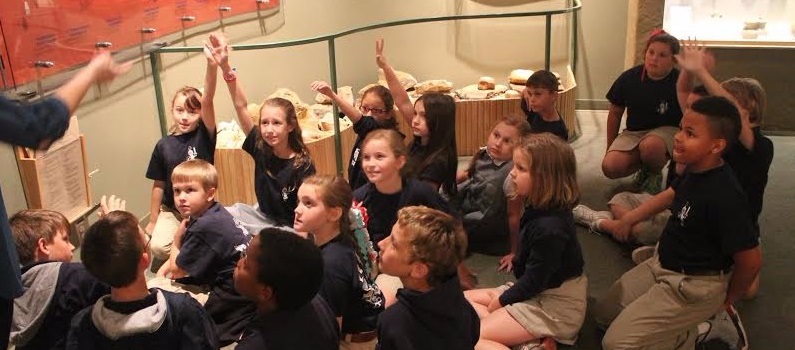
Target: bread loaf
x=436, y=85
x=519, y=76
x=486, y=83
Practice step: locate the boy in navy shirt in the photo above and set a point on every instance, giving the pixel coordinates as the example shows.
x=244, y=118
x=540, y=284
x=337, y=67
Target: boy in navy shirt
x=55, y=288
x=538, y=104
x=116, y=251
x=708, y=254
x=206, y=248
x=281, y=272
x=424, y=250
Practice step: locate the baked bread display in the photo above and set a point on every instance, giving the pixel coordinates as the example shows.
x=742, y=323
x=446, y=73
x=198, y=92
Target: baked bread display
x=406, y=80
x=474, y=92
x=519, y=76
x=486, y=83
x=436, y=85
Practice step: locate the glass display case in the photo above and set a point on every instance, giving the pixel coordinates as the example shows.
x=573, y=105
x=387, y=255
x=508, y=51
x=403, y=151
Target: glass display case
x=732, y=22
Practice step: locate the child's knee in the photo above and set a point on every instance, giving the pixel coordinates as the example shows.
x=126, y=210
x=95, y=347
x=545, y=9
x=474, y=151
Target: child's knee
x=652, y=146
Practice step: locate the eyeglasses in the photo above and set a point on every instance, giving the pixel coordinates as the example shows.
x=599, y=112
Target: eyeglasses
x=374, y=111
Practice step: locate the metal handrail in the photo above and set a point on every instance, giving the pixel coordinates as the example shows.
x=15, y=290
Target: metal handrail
x=154, y=56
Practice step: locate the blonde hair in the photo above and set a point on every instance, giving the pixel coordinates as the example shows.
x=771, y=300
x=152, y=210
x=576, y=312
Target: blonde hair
x=392, y=139
x=435, y=238
x=196, y=170
x=749, y=94
x=553, y=170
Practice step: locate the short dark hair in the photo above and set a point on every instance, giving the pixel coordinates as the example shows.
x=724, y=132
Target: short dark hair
x=543, y=79
x=722, y=116
x=291, y=265
x=700, y=90
x=29, y=225
x=112, y=247
x=660, y=36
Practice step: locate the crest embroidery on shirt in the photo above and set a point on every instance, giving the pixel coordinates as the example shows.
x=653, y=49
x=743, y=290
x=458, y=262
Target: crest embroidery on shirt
x=663, y=107
x=683, y=213
x=192, y=153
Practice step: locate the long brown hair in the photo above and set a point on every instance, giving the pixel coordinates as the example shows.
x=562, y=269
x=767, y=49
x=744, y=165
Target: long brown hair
x=294, y=139
x=193, y=102
x=440, y=119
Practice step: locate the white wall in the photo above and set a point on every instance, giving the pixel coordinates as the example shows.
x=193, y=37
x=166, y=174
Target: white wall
x=122, y=128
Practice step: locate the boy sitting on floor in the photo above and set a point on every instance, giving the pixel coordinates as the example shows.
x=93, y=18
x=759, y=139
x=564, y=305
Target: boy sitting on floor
x=424, y=250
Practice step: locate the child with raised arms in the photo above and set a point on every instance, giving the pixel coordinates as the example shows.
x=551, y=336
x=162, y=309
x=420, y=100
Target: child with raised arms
x=377, y=111
x=431, y=159
x=547, y=303
x=281, y=159
x=192, y=136
x=324, y=211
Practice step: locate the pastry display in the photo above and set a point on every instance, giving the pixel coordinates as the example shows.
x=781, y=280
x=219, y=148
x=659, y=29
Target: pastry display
x=290, y=95
x=512, y=94
x=435, y=85
x=346, y=92
x=519, y=76
x=406, y=80
x=474, y=92
x=486, y=83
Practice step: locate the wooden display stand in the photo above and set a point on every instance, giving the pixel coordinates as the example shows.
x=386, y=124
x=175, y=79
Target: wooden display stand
x=57, y=179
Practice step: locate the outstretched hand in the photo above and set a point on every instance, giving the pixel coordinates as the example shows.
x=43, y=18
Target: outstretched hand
x=506, y=263
x=694, y=57
x=380, y=59
x=216, y=50
x=104, y=69
x=321, y=87
x=108, y=205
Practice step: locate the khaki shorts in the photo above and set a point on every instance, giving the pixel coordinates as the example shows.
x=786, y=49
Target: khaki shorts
x=649, y=231
x=557, y=312
x=629, y=140
x=163, y=233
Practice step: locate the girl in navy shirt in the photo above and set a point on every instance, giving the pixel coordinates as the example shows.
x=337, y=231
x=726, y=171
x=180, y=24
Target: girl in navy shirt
x=548, y=300
x=431, y=159
x=376, y=111
x=281, y=159
x=324, y=211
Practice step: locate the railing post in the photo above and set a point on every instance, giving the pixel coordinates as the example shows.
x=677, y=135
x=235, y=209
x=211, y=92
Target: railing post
x=575, y=26
x=332, y=62
x=154, y=58
x=548, y=42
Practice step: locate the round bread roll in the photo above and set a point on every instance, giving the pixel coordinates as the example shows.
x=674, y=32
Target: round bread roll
x=486, y=83
x=513, y=94
x=519, y=76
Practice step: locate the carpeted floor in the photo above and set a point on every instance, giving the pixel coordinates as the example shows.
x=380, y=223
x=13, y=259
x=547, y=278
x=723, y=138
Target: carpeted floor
x=769, y=319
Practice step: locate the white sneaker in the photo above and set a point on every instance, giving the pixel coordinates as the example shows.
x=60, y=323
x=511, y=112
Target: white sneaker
x=723, y=331
x=642, y=254
x=590, y=218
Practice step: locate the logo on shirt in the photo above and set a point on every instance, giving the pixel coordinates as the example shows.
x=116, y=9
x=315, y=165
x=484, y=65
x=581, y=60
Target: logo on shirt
x=683, y=213
x=355, y=156
x=240, y=226
x=286, y=191
x=663, y=107
x=192, y=153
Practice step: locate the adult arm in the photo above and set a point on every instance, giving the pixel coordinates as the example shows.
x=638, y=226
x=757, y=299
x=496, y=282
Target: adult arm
x=400, y=95
x=346, y=108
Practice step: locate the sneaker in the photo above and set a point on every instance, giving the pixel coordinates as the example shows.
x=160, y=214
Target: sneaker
x=723, y=331
x=590, y=218
x=642, y=254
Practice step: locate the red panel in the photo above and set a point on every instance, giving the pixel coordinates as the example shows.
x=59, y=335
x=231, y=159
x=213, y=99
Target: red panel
x=65, y=31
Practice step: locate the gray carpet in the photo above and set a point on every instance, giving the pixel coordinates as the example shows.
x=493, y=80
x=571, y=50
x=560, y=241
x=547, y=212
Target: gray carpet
x=769, y=319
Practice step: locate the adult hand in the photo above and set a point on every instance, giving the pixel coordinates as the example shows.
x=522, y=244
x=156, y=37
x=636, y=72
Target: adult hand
x=107, y=205
x=321, y=87
x=380, y=59
x=104, y=69
x=506, y=263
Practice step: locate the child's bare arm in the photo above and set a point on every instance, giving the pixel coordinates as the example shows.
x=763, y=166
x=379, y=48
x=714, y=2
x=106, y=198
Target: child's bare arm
x=158, y=188
x=684, y=86
x=220, y=55
x=176, y=271
x=402, y=100
x=614, y=115
x=746, y=266
x=654, y=205
x=346, y=108
x=514, y=216
x=210, y=80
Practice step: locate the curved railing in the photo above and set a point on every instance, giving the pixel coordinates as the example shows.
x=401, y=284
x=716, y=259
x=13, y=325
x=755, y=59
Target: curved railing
x=576, y=5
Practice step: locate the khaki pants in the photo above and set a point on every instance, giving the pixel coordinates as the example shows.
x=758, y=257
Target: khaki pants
x=163, y=233
x=346, y=345
x=653, y=308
